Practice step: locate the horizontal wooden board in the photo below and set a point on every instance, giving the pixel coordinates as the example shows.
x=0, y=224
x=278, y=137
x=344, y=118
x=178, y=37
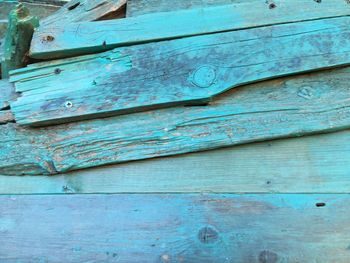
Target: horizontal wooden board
x=288, y=107
x=175, y=228
x=83, y=10
x=312, y=164
x=89, y=37
x=141, y=7
x=180, y=72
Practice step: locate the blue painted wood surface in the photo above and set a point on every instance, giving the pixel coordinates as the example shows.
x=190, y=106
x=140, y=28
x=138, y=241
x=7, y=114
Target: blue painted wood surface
x=175, y=228
x=67, y=40
x=180, y=72
x=288, y=107
x=309, y=164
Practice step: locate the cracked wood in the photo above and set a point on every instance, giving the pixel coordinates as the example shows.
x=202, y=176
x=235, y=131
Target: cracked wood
x=89, y=37
x=288, y=107
x=187, y=71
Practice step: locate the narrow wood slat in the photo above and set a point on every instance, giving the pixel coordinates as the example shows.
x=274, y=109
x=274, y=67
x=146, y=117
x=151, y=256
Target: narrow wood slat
x=310, y=164
x=175, y=228
x=83, y=10
x=293, y=106
x=79, y=38
x=178, y=72
x=141, y=7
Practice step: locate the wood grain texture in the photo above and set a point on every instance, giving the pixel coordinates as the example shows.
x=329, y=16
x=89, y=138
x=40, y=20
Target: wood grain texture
x=310, y=164
x=83, y=10
x=288, y=107
x=17, y=41
x=175, y=228
x=89, y=37
x=179, y=72
x=141, y=7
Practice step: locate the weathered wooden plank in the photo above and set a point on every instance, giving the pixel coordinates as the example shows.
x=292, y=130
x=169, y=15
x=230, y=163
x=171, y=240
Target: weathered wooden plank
x=179, y=72
x=7, y=93
x=175, y=228
x=141, y=7
x=79, y=38
x=310, y=164
x=18, y=36
x=84, y=10
x=294, y=106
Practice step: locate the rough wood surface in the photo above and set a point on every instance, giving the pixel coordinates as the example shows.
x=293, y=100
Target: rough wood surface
x=89, y=37
x=175, y=228
x=141, y=7
x=294, y=106
x=178, y=72
x=311, y=164
x=17, y=41
x=84, y=10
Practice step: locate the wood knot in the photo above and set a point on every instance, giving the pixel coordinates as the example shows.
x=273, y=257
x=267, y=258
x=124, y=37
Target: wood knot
x=208, y=235
x=204, y=76
x=268, y=257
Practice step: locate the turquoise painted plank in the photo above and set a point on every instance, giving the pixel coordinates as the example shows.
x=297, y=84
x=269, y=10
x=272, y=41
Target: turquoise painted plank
x=179, y=72
x=175, y=228
x=141, y=7
x=79, y=38
x=17, y=41
x=85, y=10
x=310, y=164
x=288, y=107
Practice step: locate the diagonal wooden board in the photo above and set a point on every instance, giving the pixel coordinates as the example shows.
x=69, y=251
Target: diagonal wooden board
x=84, y=10
x=288, y=107
x=179, y=72
x=89, y=37
x=175, y=228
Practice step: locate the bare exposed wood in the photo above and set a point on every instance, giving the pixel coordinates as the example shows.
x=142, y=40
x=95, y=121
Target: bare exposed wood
x=7, y=94
x=85, y=10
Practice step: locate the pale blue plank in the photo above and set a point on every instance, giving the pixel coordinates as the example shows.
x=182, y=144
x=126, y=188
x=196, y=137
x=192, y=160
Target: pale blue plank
x=175, y=228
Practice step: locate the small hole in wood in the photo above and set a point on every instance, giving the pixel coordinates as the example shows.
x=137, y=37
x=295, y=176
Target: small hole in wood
x=320, y=204
x=48, y=38
x=58, y=71
x=68, y=104
x=318, y=1
x=73, y=6
x=272, y=6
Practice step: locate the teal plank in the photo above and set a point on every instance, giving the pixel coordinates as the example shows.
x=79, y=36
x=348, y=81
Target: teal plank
x=179, y=72
x=311, y=164
x=79, y=38
x=288, y=107
x=175, y=228
x=141, y=7
x=85, y=10
x=17, y=41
